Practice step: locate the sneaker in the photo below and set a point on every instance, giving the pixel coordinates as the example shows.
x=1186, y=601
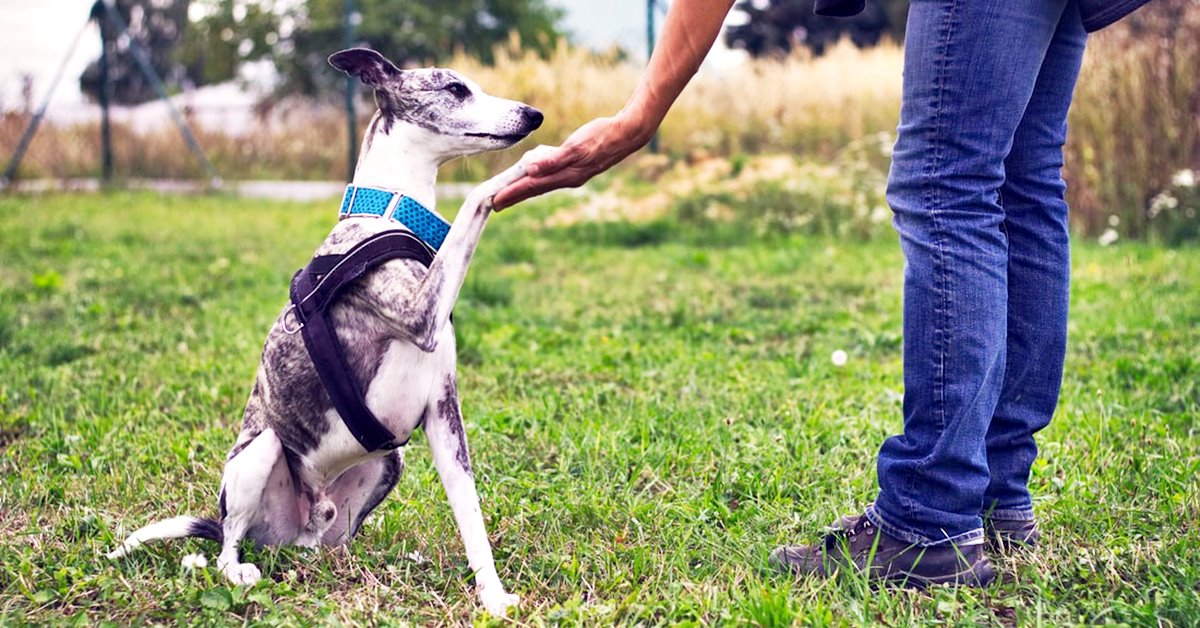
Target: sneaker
x=1007, y=535
x=859, y=542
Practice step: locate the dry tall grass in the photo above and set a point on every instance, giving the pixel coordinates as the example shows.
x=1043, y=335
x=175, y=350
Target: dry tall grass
x=1135, y=123
x=800, y=104
x=808, y=106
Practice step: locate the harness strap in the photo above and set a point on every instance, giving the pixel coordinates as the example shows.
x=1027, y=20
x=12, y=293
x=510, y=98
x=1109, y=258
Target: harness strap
x=314, y=290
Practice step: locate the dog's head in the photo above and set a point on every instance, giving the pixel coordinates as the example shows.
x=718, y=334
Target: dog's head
x=458, y=117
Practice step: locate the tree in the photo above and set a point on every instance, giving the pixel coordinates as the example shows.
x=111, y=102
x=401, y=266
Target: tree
x=407, y=31
x=773, y=27
x=224, y=34
x=298, y=35
x=157, y=25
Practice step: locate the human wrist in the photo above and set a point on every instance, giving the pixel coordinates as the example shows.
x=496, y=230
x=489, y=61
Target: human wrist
x=637, y=124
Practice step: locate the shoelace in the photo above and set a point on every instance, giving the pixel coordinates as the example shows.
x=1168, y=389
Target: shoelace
x=860, y=525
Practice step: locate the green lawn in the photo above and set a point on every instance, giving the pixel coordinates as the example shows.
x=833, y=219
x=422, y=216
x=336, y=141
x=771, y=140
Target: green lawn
x=650, y=408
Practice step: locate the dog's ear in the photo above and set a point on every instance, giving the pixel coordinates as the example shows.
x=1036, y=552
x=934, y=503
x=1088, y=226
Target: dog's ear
x=369, y=66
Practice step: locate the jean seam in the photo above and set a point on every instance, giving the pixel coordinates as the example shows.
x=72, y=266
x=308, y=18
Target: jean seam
x=934, y=205
x=1011, y=514
x=932, y=164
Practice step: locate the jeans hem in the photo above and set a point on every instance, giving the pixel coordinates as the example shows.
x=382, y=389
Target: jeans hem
x=909, y=535
x=1010, y=514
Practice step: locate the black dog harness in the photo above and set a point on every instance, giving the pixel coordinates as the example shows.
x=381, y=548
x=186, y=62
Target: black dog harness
x=315, y=289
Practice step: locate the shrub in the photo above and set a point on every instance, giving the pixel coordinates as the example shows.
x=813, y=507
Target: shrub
x=1174, y=213
x=1136, y=119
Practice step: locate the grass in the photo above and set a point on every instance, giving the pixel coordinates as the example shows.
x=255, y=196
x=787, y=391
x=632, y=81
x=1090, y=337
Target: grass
x=649, y=415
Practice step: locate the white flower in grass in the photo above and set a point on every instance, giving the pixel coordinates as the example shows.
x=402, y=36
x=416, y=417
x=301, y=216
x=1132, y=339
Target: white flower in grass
x=417, y=557
x=194, y=561
x=1108, y=237
x=839, y=358
x=1185, y=178
x=887, y=143
x=1163, y=201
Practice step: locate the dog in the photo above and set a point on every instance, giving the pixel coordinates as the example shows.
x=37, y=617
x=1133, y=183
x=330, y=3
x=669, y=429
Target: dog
x=297, y=474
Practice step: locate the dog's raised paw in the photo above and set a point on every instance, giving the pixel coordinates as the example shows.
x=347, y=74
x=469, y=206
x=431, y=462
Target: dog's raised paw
x=536, y=153
x=499, y=603
x=242, y=574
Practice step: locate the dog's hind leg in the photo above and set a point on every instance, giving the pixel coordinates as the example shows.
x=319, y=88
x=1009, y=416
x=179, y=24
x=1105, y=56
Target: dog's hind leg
x=448, y=442
x=256, y=494
x=358, y=491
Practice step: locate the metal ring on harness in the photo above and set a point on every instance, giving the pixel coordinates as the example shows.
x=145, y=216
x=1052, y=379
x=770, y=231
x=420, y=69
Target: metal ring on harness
x=291, y=309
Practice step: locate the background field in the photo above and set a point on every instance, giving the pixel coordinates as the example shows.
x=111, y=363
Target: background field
x=1135, y=122
x=651, y=408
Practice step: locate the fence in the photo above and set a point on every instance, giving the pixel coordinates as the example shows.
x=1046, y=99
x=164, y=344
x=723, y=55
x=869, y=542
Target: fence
x=1135, y=126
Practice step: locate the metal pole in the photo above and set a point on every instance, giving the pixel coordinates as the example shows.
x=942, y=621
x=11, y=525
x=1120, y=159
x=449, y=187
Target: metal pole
x=351, y=20
x=143, y=62
x=105, y=100
x=11, y=171
x=651, y=5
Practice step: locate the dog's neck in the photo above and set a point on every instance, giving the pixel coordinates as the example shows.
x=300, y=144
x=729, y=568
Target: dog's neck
x=399, y=160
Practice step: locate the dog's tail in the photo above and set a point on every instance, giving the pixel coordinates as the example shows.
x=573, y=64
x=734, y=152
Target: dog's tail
x=173, y=528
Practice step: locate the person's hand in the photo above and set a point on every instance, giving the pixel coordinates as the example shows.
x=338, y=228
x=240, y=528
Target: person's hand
x=688, y=33
x=590, y=150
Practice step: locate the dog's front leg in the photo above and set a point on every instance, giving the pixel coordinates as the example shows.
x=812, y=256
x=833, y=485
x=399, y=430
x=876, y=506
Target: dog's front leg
x=448, y=441
x=444, y=280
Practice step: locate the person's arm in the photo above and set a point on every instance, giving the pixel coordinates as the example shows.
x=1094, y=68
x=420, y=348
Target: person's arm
x=688, y=34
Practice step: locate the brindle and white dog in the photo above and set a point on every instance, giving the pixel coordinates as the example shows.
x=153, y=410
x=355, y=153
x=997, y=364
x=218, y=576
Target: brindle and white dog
x=296, y=474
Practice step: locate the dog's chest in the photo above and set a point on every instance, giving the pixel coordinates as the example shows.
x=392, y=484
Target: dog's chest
x=398, y=395
x=401, y=390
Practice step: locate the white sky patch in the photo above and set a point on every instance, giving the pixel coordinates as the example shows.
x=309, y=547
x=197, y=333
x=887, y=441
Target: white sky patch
x=36, y=38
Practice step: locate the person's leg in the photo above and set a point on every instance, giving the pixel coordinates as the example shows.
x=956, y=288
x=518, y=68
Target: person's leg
x=970, y=70
x=1039, y=267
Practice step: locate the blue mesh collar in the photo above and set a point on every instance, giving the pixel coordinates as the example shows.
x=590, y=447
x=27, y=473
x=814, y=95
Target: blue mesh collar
x=364, y=201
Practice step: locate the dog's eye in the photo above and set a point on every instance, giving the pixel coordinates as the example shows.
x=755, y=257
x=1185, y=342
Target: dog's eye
x=458, y=90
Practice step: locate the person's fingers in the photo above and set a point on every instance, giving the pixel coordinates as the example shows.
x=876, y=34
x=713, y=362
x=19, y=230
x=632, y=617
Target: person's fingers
x=528, y=187
x=509, y=195
x=551, y=161
x=515, y=192
x=525, y=188
x=566, y=178
x=581, y=157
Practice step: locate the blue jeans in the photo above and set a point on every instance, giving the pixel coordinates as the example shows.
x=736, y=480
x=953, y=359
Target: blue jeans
x=978, y=200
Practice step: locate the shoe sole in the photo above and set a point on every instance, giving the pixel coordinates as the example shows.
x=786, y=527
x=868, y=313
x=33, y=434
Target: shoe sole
x=980, y=575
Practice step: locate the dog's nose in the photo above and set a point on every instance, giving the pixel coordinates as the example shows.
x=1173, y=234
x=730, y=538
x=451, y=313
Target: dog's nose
x=532, y=117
